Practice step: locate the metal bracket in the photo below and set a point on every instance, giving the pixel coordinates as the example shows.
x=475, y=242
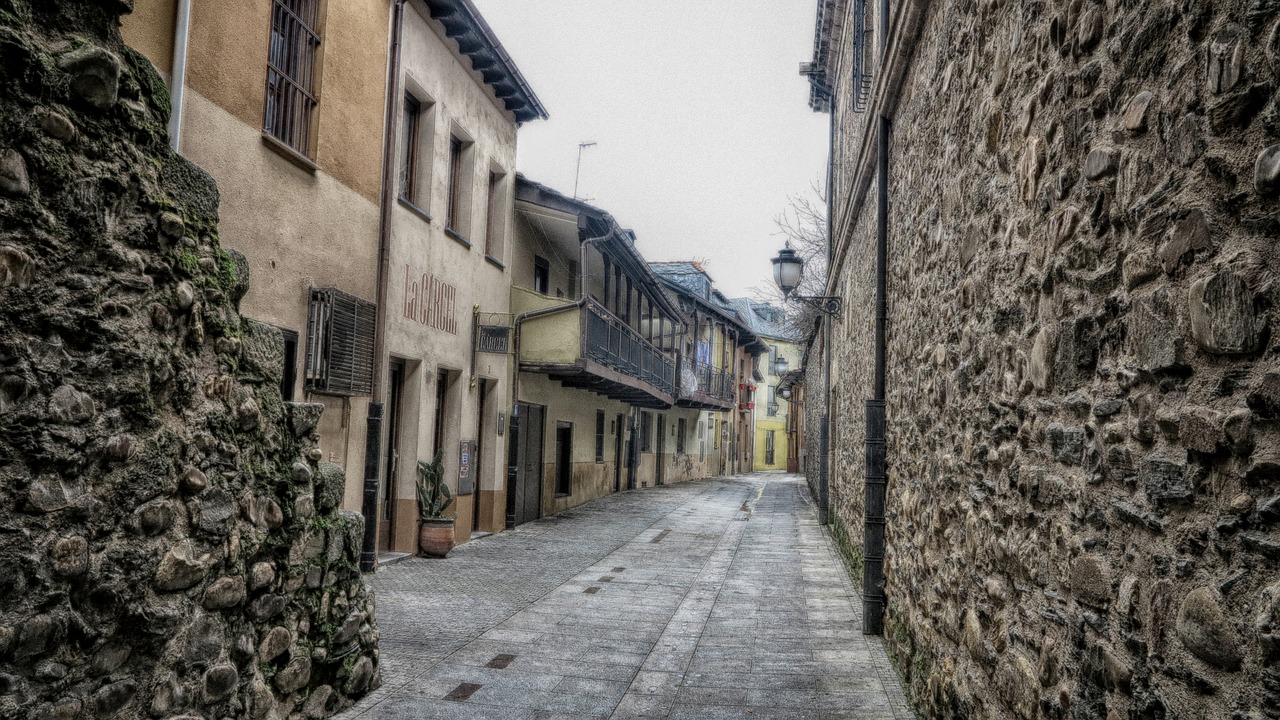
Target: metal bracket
x=832, y=305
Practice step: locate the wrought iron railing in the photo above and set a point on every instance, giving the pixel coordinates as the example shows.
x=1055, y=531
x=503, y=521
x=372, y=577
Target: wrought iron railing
x=862, y=57
x=614, y=344
x=712, y=381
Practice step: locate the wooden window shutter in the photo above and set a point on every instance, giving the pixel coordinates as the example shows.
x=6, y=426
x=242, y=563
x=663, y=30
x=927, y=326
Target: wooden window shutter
x=340, y=337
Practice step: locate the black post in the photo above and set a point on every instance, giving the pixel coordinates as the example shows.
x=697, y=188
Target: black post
x=372, y=458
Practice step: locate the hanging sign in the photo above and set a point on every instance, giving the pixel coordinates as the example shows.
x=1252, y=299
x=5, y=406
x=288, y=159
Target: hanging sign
x=493, y=339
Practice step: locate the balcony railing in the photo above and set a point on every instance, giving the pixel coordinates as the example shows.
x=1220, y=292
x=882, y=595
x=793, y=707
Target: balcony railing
x=614, y=344
x=710, y=381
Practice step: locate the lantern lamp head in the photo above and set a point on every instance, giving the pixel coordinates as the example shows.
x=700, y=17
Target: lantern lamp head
x=788, y=268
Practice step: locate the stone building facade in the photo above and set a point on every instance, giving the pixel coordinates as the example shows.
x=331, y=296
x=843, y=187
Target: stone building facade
x=174, y=544
x=1082, y=390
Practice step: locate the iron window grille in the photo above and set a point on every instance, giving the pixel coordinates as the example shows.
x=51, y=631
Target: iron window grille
x=681, y=430
x=340, y=336
x=862, y=59
x=409, y=161
x=291, y=73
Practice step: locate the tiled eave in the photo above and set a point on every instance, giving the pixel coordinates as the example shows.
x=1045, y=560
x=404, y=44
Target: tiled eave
x=463, y=24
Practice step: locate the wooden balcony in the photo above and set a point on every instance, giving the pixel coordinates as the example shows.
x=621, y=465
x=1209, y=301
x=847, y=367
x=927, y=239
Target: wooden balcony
x=705, y=387
x=592, y=349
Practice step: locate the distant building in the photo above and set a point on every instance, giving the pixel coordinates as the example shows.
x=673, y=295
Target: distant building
x=771, y=410
x=719, y=353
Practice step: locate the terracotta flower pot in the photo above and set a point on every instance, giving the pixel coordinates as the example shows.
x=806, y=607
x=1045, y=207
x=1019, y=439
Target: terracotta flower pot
x=435, y=537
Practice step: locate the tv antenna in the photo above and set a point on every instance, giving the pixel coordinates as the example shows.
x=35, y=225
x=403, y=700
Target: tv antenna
x=576, y=175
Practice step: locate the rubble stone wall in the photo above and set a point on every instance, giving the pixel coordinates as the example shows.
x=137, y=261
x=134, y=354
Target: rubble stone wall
x=1083, y=381
x=170, y=544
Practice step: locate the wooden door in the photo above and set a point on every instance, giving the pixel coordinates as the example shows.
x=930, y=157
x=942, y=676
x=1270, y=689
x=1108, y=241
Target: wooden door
x=386, y=494
x=659, y=448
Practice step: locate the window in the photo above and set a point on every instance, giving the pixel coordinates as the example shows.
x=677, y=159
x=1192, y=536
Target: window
x=773, y=360
x=409, y=150
x=681, y=429
x=458, y=209
x=646, y=429
x=495, y=223
x=768, y=447
x=291, y=73
x=599, y=436
x=541, y=275
x=564, y=458
x=289, y=375
x=340, y=332
x=772, y=407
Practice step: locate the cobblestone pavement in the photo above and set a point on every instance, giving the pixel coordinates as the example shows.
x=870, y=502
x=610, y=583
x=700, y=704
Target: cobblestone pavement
x=712, y=599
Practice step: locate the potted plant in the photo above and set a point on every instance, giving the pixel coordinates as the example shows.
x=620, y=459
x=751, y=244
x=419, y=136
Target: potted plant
x=435, y=531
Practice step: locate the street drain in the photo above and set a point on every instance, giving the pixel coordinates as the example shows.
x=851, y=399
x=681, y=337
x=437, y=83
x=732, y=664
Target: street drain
x=658, y=538
x=462, y=692
x=615, y=571
x=591, y=590
x=606, y=578
x=500, y=662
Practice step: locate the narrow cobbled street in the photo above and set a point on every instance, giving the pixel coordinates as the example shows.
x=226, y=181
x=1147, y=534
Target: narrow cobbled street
x=711, y=599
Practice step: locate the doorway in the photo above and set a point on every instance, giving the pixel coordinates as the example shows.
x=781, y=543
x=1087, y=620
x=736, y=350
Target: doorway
x=564, y=458
x=659, y=448
x=386, y=494
x=619, y=430
x=524, y=465
x=477, y=454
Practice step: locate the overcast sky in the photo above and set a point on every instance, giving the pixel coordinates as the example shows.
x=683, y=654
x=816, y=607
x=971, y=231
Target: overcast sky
x=700, y=115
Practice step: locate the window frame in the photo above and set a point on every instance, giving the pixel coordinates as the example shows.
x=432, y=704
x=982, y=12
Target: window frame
x=292, y=74
x=410, y=136
x=564, y=472
x=495, y=235
x=646, y=431
x=599, y=436
x=541, y=271
x=682, y=427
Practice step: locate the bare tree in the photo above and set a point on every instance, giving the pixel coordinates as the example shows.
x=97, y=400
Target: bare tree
x=803, y=224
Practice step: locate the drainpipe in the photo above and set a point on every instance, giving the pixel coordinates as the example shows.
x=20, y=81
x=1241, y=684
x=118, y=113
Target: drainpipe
x=824, y=426
x=178, y=79
x=877, y=475
x=373, y=424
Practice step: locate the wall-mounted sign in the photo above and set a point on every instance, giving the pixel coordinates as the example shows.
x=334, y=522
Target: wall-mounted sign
x=493, y=339
x=430, y=301
x=466, y=467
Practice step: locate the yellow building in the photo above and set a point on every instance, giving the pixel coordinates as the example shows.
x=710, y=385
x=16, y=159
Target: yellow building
x=771, y=410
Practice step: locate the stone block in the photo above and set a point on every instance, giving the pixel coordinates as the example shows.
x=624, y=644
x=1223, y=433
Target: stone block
x=181, y=567
x=1204, y=629
x=262, y=348
x=1223, y=318
x=1190, y=235
x=95, y=76
x=1264, y=398
x=1266, y=172
x=1155, y=337
x=331, y=482
x=14, y=180
x=1165, y=480
x=303, y=417
x=1201, y=429
x=1091, y=580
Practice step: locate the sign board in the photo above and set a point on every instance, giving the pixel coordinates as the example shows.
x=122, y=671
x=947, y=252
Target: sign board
x=466, y=467
x=493, y=339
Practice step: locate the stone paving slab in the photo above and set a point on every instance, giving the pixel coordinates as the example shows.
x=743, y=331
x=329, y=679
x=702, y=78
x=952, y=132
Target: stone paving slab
x=719, y=598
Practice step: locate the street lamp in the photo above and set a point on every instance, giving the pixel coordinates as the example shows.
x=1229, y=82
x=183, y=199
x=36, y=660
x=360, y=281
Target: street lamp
x=780, y=366
x=786, y=393
x=788, y=269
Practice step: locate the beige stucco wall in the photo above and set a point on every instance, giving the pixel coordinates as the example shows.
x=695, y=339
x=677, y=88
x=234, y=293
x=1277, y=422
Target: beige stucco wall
x=299, y=228
x=454, y=102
